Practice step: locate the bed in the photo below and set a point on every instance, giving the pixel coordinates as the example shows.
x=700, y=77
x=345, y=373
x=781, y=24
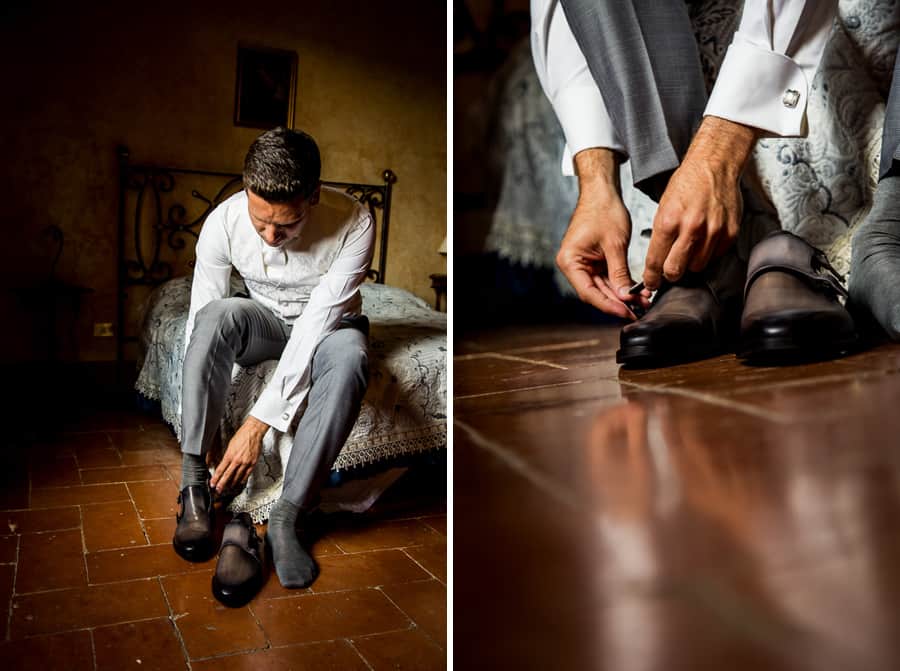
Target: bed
x=403, y=416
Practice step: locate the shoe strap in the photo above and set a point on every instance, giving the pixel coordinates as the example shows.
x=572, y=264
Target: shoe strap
x=241, y=533
x=787, y=253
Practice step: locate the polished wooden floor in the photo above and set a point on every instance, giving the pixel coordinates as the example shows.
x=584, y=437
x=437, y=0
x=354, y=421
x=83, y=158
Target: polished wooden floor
x=89, y=580
x=707, y=516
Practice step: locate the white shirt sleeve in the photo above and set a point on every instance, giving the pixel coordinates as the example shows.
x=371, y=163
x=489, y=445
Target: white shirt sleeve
x=212, y=269
x=328, y=302
x=568, y=84
x=765, y=78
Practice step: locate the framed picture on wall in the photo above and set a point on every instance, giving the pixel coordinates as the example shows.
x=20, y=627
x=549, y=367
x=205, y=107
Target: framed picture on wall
x=266, y=87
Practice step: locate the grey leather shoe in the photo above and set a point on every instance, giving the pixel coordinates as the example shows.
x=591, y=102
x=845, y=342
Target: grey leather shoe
x=793, y=304
x=239, y=570
x=193, y=538
x=694, y=318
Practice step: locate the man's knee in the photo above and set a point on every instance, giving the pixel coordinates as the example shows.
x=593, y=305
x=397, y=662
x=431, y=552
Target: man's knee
x=344, y=354
x=222, y=316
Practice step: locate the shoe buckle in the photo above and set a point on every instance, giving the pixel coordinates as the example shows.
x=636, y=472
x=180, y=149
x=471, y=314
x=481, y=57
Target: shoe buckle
x=831, y=278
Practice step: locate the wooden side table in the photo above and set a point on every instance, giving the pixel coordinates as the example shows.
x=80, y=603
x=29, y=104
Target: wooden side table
x=439, y=284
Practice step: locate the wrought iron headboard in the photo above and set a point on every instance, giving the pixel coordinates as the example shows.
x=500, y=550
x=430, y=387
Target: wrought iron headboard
x=171, y=225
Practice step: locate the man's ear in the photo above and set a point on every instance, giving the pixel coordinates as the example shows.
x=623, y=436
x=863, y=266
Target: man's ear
x=314, y=198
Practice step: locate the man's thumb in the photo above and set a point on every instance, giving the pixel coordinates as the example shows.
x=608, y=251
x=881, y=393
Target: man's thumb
x=619, y=276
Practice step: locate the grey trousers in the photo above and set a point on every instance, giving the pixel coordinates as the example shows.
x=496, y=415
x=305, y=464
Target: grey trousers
x=644, y=57
x=890, y=140
x=239, y=330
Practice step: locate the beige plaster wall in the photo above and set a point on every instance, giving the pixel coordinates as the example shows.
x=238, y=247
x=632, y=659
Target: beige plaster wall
x=159, y=78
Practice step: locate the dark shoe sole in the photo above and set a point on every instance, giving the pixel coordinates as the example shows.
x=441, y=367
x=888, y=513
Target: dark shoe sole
x=235, y=596
x=641, y=356
x=786, y=351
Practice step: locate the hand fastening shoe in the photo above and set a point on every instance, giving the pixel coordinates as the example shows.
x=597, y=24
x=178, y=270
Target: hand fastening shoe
x=694, y=318
x=792, y=304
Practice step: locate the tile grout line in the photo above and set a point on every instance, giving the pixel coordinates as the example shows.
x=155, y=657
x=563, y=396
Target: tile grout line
x=777, y=417
x=821, y=379
x=236, y=653
x=517, y=464
x=344, y=590
x=259, y=624
x=419, y=564
x=576, y=344
x=93, y=648
x=358, y=653
x=140, y=519
x=510, y=357
x=174, y=623
x=84, y=552
x=387, y=596
x=12, y=595
x=518, y=389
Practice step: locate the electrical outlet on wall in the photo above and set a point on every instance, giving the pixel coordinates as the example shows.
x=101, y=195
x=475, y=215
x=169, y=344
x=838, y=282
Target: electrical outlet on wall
x=103, y=330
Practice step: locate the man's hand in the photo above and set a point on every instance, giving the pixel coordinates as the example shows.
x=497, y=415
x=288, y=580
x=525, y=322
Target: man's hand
x=699, y=214
x=240, y=456
x=594, y=252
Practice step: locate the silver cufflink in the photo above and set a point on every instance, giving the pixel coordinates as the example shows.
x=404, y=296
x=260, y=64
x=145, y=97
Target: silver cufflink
x=791, y=98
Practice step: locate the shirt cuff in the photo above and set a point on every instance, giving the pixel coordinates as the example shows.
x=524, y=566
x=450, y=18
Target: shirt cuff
x=273, y=410
x=760, y=88
x=585, y=123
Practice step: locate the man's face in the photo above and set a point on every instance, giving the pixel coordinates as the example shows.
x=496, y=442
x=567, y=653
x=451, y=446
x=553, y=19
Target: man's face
x=279, y=223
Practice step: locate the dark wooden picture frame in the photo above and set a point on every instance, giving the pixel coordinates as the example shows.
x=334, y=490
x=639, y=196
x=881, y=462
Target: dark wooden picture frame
x=266, y=87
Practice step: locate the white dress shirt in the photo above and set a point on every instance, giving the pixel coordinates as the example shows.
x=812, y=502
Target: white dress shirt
x=763, y=81
x=310, y=282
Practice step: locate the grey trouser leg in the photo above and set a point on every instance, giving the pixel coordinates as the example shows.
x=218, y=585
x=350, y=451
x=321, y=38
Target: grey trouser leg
x=227, y=331
x=238, y=330
x=340, y=371
x=890, y=140
x=644, y=58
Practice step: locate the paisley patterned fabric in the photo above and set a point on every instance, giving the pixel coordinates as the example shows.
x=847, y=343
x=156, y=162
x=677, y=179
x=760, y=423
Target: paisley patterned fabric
x=404, y=411
x=821, y=185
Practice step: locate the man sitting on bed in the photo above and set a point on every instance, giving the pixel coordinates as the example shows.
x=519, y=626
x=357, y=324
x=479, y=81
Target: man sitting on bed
x=302, y=250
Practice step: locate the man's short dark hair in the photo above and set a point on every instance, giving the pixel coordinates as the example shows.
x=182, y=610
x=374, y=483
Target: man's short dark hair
x=282, y=165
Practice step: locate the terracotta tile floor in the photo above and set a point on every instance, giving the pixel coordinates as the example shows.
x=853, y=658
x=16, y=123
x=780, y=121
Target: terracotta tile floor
x=89, y=580
x=707, y=516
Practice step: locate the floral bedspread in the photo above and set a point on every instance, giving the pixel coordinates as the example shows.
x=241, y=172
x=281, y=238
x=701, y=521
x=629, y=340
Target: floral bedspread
x=403, y=413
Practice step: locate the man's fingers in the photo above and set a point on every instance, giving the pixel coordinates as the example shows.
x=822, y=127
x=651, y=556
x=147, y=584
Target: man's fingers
x=596, y=297
x=660, y=243
x=725, y=242
x=616, y=306
x=679, y=258
x=225, y=480
x=702, y=254
x=619, y=277
x=588, y=291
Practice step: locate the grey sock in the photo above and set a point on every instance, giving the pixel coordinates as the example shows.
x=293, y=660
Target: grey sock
x=193, y=470
x=875, y=262
x=294, y=566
